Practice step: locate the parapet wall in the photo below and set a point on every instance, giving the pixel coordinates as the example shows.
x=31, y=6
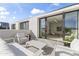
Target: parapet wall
x=11, y=33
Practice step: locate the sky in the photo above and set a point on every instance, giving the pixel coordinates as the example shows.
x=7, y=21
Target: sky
x=12, y=12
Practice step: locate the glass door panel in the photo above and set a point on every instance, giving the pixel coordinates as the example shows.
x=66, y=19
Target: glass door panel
x=70, y=27
x=42, y=27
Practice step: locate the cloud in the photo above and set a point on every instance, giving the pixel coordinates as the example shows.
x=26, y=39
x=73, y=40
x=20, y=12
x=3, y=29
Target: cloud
x=14, y=17
x=3, y=11
x=3, y=14
x=2, y=17
x=56, y=4
x=37, y=11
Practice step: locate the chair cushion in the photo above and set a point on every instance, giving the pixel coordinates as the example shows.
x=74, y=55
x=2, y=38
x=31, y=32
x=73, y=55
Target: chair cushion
x=36, y=43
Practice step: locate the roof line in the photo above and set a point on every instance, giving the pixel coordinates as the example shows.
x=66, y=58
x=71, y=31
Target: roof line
x=58, y=9
x=65, y=7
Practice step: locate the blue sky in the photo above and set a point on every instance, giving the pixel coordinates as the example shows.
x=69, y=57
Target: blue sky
x=11, y=12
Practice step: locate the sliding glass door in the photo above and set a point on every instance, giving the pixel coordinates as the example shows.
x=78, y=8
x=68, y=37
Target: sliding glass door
x=42, y=28
x=66, y=27
x=70, y=27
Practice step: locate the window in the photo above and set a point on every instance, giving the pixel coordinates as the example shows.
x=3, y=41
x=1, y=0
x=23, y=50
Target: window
x=24, y=25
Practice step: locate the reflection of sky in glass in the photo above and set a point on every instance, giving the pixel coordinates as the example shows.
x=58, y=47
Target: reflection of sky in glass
x=42, y=23
x=71, y=20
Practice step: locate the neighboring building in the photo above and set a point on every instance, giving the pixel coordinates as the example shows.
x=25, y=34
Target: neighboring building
x=4, y=25
x=61, y=24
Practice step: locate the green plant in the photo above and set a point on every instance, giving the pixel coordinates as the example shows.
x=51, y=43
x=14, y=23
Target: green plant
x=68, y=30
x=68, y=39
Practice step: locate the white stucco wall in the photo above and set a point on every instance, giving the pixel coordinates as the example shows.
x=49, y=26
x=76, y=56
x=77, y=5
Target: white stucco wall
x=34, y=25
x=17, y=25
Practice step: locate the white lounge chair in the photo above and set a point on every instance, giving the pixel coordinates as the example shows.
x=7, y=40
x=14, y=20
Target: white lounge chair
x=22, y=38
x=36, y=43
x=38, y=47
x=22, y=49
x=35, y=46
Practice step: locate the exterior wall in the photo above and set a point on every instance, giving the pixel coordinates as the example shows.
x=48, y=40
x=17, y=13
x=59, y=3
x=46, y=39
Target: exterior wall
x=11, y=34
x=17, y=25
x=34, y=26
